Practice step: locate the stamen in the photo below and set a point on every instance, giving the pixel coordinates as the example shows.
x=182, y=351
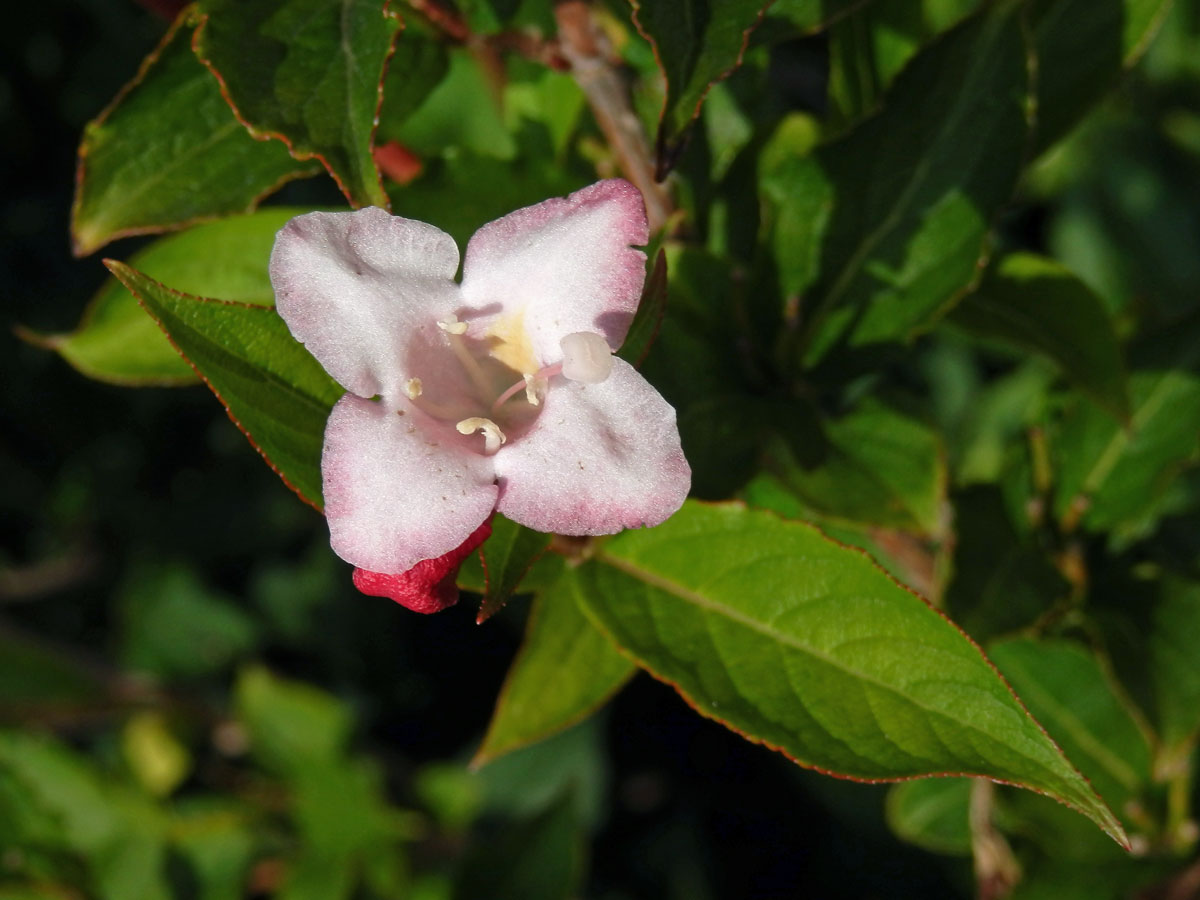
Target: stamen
x=587, y=358
x=493, y=437
x=454, y=331
x=531, y=384
x=412, y=388
x=453, y=326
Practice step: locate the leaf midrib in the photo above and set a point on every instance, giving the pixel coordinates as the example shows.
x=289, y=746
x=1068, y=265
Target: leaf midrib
x=670, y=587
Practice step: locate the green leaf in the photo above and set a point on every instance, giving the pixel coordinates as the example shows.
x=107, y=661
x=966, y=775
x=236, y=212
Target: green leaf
x=1108, y=474
x=651, y=308
x=1174, y=637
x=508, y=554
x=696, y=43
x=460, y=113
x=870, y=47
x=1002, y=581
x=169, y=152
x=806, y=646
x=879, y=232
x=291, y=725
x=273, y=389
x=1081, y=48
x=542, y=859
x=933, y=813
x=117, y=342
x=1036, y=305
x=563, y=672
x=879, y=467
x=1067, y=689
x=308, y=72
x=174, y=627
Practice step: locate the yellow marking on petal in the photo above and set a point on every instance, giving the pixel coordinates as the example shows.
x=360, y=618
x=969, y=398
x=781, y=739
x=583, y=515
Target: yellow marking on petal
x=508, y=343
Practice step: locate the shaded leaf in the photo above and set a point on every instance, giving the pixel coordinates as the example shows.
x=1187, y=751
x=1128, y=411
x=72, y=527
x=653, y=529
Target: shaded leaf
x=879, y=467
x=542, y=859
x=1035, y=304
x=271, y=386
x=1081, y=47
x=308, y=72
x=696, y=43
x=563, y=672
x=508, y=554
x=877, y=233
x=1174, y=652
x=291, y=725
x=649, y=317
x=808, y=647
x=169, y=152
x=117, y=342
x=933, y=813
x=1108, y=475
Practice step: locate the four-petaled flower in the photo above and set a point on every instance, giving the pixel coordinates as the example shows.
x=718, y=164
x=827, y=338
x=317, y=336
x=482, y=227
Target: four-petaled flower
x=497, y=394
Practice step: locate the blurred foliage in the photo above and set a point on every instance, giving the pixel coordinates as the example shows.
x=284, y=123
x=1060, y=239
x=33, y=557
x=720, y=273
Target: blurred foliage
x=194, y=703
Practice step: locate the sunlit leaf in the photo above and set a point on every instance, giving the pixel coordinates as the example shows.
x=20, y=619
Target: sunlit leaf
x=808, y=647
x=116, y=341
x=169, y=152
x=271, y=386
x=308, y=72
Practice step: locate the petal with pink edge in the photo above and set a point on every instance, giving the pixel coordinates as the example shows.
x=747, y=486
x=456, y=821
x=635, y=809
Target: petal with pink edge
x=562, y=266
x=397, y=491
x=351, y=285
x=599, y=458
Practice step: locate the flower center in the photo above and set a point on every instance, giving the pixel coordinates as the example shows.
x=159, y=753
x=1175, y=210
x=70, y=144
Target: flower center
x=490, y=363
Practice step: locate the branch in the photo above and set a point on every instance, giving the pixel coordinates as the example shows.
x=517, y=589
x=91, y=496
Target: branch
x=586, y=49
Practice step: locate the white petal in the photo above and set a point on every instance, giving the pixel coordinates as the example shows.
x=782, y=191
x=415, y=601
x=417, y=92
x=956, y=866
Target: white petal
x=564, y=265
x=599, y=458
x=399, y=488
x=353, y=286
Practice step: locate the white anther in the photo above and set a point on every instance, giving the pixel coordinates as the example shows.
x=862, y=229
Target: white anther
x=532, y=385
x=586, y=357
x=493, y=437
x=453, y=326
x=412, y=388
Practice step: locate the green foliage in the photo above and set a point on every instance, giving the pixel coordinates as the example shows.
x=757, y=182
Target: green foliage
x=143, y=171
x=566, y=669
x=272, y=388
x=922, y=290
x=722, y=602
x=308, y=73
x=116, y=341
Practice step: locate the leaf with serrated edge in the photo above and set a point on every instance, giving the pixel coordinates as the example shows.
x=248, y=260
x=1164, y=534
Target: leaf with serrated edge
x=168, y=152
x=118, y=343
x=696, y=43
x=507, y=556
x=1068, y=688
x=564, y=671
x=308, y=72
x=808, y=647
x=272, y=388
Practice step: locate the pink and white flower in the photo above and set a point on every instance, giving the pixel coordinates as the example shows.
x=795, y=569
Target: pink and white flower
x=499, y=393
